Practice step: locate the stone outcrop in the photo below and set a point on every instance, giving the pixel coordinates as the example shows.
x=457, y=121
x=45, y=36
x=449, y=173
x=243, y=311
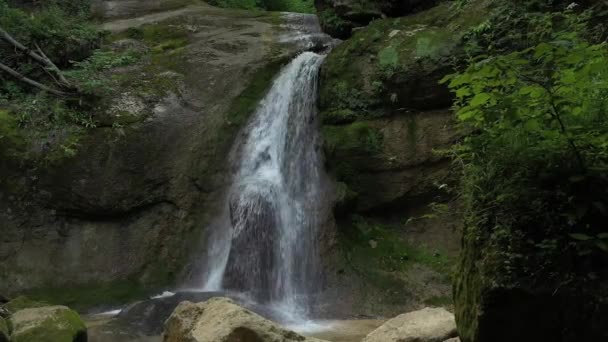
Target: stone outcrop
x=221, y=320
x=385, y=118
x=340, y=17
x=426, y=325
x=501, y=295
x=384, y=111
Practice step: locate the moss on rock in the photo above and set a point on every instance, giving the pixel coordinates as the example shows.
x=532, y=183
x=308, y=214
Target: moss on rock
x=89, y=295
x=22, y=302
x=49, y=324
x=395, y=64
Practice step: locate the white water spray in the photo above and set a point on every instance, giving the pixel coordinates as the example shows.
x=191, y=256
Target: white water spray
x=267, y=245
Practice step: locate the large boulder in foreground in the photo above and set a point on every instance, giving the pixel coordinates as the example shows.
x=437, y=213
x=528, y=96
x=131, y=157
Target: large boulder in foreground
x=49, y=324
x=426, y=325
x=221, y=320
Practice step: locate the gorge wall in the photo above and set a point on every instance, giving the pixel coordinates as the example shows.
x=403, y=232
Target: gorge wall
x=125, y=212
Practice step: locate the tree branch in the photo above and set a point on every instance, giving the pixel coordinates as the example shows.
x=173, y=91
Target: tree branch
x=40, y=57
x=30, y=81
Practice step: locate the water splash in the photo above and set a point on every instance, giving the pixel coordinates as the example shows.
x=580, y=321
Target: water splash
x=265, y=244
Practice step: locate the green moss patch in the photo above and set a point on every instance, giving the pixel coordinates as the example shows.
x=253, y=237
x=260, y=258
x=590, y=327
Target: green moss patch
x=51, y=324
x=22, y=302
x=396, y=63
x=371, y=246
x=90, y=295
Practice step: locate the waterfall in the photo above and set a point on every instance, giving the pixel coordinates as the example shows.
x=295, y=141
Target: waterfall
x=267, y=245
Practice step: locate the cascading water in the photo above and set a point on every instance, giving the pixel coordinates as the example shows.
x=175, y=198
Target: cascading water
x=269, y=249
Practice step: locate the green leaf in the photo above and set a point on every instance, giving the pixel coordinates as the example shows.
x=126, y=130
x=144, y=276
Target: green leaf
x=602, y=245
x=602, y=236
x=581, y=237
x=480, y=99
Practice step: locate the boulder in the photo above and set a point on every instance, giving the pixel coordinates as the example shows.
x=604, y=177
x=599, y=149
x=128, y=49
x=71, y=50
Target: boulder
x=221, y=320
x=252, y=252
x=426, y=325
x=49, y=324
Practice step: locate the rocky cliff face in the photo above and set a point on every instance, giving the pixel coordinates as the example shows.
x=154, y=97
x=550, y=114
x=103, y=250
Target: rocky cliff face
x=340, y=17
x=385, y=116
x=127, y=210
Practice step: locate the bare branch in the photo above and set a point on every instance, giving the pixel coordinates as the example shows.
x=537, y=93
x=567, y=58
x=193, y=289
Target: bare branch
x=31, y=82
x=40, y=57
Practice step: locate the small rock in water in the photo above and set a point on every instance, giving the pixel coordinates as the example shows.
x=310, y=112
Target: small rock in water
x=426, y=325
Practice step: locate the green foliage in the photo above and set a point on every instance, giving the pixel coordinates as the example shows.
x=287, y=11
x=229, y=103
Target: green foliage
x=334, y=24
x=88, y=74
x=63, y=33
x=378, y=246
x=535, y=169
x=10, y=141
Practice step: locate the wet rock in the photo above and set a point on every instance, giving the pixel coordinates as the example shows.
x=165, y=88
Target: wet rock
x=49, y=324
x=252, y=254
x=219, y=320
x=426, y=325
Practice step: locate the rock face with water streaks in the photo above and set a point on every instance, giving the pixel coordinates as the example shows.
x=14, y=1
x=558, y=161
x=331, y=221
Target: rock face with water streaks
x=426, y=325
x=220, y=320
x=130, y=206
x=278, y=199
x=255, y=240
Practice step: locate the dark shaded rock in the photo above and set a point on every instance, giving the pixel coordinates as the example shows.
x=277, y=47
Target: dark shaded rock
x=340, y=17
x=253, y=250
x=4, y=330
